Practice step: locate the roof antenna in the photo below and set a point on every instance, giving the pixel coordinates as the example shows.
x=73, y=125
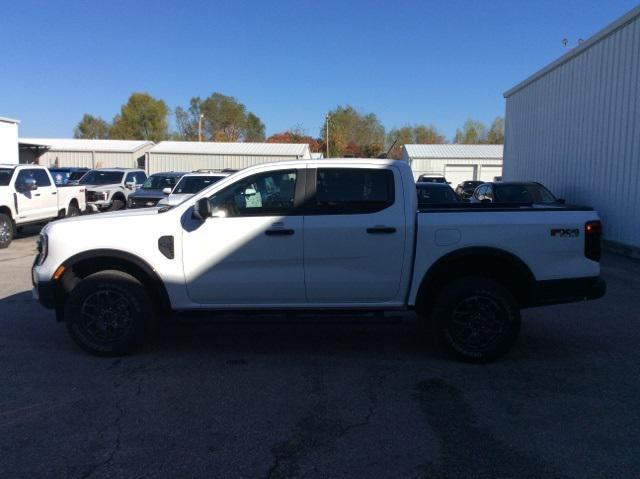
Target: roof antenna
x=386, y=155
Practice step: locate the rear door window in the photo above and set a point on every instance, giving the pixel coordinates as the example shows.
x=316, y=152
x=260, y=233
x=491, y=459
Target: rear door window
x=42, y=179
x=352, y=190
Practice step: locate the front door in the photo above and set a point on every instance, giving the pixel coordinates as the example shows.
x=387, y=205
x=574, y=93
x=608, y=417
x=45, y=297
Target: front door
x=48, y=194
x=28, y=202
x=250, y=252
x=354, y=235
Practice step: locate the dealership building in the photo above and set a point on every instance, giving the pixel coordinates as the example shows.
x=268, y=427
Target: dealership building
x=59, y=152
x=575, y=127
x=8, y=140
x=457, y=163
x=193, y=155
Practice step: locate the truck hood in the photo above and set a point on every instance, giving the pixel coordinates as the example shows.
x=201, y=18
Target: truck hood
x=101, y=187
x=173, y=200
x=131, y=215
x=148, y=193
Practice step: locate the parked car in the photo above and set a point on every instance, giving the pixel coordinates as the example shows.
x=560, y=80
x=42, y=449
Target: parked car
x=431, y=179
x=189, y=185
x=332, y=235
x=28, y=195
x=514, y=192
x=109, y=188
x=466, y=188
x=435, y=193
x=155, y=188
x=67, y=176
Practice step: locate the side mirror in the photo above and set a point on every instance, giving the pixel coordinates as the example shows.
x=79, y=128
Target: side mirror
x=562, y=201
x=29, y=184
x=130, y=184
x=485, y=200
x=202, y=209
x=166, y=191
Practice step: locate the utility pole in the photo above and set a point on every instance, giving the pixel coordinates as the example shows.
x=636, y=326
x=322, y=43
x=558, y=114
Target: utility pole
x=327, y=133
x=200, y=127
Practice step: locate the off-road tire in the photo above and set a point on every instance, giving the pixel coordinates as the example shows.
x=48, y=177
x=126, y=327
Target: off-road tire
x=476, y=318
x=73, y=210
x=108, y=313
x=117, y=204
x=7, y=231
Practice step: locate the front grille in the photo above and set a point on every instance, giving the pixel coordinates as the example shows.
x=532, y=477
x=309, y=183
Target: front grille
x=94, y=196
x=143, y=202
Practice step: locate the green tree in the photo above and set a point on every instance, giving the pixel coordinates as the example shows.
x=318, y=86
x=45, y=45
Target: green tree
x=473, y=132
x=352, y=133
x=421, y=134
x=223, y=119
x=496, y=132
x=141, y=118
x=92, y=127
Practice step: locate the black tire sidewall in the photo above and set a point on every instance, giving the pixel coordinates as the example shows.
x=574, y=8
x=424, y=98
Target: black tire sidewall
x=117, y=205
x=3, y=218
x=456, y=292
x=139, y=305
x=73, y=208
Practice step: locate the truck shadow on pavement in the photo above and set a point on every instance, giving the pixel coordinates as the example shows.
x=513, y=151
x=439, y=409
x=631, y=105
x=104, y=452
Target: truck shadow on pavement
x=392, y=336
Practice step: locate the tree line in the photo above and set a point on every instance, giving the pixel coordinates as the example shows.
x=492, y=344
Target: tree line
x=220, y=117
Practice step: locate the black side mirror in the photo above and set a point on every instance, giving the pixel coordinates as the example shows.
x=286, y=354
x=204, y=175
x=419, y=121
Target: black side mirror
x=202, y=209
x=485, y=200
x=562, y=201
x=29, y=184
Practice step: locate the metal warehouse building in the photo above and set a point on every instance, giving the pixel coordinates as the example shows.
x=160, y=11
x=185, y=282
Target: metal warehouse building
x=575, y=126
x=52, y=152
x=8, y=140
x=456, y=163
x=191, y=155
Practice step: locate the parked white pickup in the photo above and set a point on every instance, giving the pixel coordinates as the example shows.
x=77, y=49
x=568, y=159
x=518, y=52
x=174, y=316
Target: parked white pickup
x=29, y=195
x=329, y=235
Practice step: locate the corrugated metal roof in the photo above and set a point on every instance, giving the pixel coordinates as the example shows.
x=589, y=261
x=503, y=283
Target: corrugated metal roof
x=71, y=144
x=454, y=151
x=221, y=148
x=583, y=47
x=8, y=120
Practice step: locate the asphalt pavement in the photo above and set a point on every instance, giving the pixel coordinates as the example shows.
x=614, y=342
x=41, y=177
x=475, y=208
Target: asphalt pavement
x=314, y=397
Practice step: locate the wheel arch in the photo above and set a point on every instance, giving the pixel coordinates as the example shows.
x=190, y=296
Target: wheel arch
x=494, y=263
x=86, y=263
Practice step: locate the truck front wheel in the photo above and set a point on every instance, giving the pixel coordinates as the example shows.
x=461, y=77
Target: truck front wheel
x=107, y=313
x=6, y=230
x=477, y=318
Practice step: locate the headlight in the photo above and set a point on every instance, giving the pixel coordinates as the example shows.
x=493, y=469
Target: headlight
x=43, y=248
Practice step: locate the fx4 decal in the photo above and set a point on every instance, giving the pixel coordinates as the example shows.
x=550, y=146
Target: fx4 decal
x=565, y=232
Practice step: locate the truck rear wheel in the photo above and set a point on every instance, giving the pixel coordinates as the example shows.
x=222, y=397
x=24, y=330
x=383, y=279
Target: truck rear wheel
x=107, y=313
x=477, y=319
x=6, y=230
x=73, y=210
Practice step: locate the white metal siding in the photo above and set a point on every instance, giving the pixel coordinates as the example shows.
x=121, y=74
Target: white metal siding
x=432, y=166
x=8, y=142
x=88, y=159
x=576, y=129
x=161, y=162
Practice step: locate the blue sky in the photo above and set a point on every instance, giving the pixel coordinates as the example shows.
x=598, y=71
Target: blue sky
x=287, y=61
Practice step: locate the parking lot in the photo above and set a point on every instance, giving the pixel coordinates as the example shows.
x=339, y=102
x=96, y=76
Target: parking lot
x=282, y=397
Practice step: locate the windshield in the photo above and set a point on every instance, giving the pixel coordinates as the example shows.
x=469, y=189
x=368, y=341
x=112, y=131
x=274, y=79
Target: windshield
x=5, y=176
x=192, y=184
x=159, y=182
x=523, y=194
x=435, y=195
x=97, y=177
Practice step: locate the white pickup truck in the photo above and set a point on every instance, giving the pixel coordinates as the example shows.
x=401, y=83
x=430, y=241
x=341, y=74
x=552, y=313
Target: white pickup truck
x=327, y=235
x=29, y=195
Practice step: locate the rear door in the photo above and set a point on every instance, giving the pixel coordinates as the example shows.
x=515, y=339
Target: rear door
x=354, y=234
x=48, y=194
